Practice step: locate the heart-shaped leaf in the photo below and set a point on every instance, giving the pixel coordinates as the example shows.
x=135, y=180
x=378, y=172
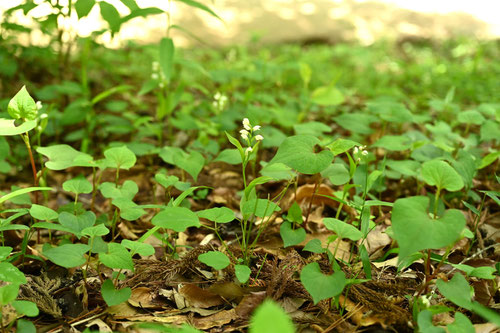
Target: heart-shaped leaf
x=414, y=230
x=319, y=285
x=342, y=229
x=120, y=158
x=43, y=213
x=127, y=190
x=215, y=259
x=270, y=317
x=457, y=290
x=8, y=127
x=218, y=214
x=259, y=208
x=298, y=152
x=112, y=296
x=176, y=218
x=328, y=95
x=94, y=231
x=442, y=175
x=117, y=257
x=78, y=185
x=22, y=106
x=138, y=247
x=192, y=163
x=10, y=273
x=129, y=210
x=76, y=223
x=67, y=255
x=63, y=156
x=242, y=273
x=291, y=236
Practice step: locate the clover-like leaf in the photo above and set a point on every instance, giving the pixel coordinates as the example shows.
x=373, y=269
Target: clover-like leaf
x=176, y=218
x=319, y=285
x=442, y=175
x=414, y=230
x=22, y=106
x=299, y=153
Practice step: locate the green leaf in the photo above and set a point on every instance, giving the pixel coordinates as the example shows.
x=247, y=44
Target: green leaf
x=8, y=293
x=167, y=51
x=120, y=157
x=242, y=273
x=5, y=251
x=10, y=273
x=488, y=159
x=457, y=290
x=406, y=167
x=166, y=181
x=127, y=190
x=77, y=185
x=461, y=324
x=117, y=257
x=298, y=152
x=25, y=326
x=176, y=218
x=43, y=213
x=470, y=117
x=94, y=231
x=138, y=247
x=484, y=272
x=110, y=15
x=277, y=171
x=414, y=230
x=340, y=146
x=192, y=163
x=8, y=128
x=342, y=229
x=442, y=175
x=76, y=223
x=295, y=213
x=314, y=245
x=393, y=142
x=201, y=6
x=254, y=183
x=26, y=308
x=142, y=12
x=67, y=255
x=112, y=296
x=83, y=7
x=259, y=208
x=336, y=173
x=425, y=323
x=327, y=95
x=218, y=214
x=270, y=318
x=311, y=128
x=291, y=236
x=131, y=4
x=22, y=106
x=214, y=259
x=63, y=156
x=230, y=156
x=319, y=285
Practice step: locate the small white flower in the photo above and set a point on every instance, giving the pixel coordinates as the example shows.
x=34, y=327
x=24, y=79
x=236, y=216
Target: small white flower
x=244, y=134
x=39, y=106
x=217, y=96
x=355, y=151
x=43, y=116
x=259, y=137
x=154, y=76
x=155, y=65
x=246, y=124
x=256, y=128
x=364, y=153
x=248, y=150
x=161, y=85
x=425, y=300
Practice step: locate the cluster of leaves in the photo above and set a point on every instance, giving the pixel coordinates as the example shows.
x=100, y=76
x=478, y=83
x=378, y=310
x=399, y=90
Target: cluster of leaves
x=402, y=130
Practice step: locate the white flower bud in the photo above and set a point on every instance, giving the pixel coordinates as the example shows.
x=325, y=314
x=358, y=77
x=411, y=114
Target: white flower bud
x=244, y=134
x=155, y=65
x=39, y=106
x=248, y=151
x=259, y=137
x=154, y=76
x=364, y=153
x=43, y=116
x=246, y=124
x=256, y=128
x=355, y=151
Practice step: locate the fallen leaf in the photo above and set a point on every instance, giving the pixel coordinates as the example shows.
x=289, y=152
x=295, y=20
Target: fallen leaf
x=200, y=298
x=219, y=319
